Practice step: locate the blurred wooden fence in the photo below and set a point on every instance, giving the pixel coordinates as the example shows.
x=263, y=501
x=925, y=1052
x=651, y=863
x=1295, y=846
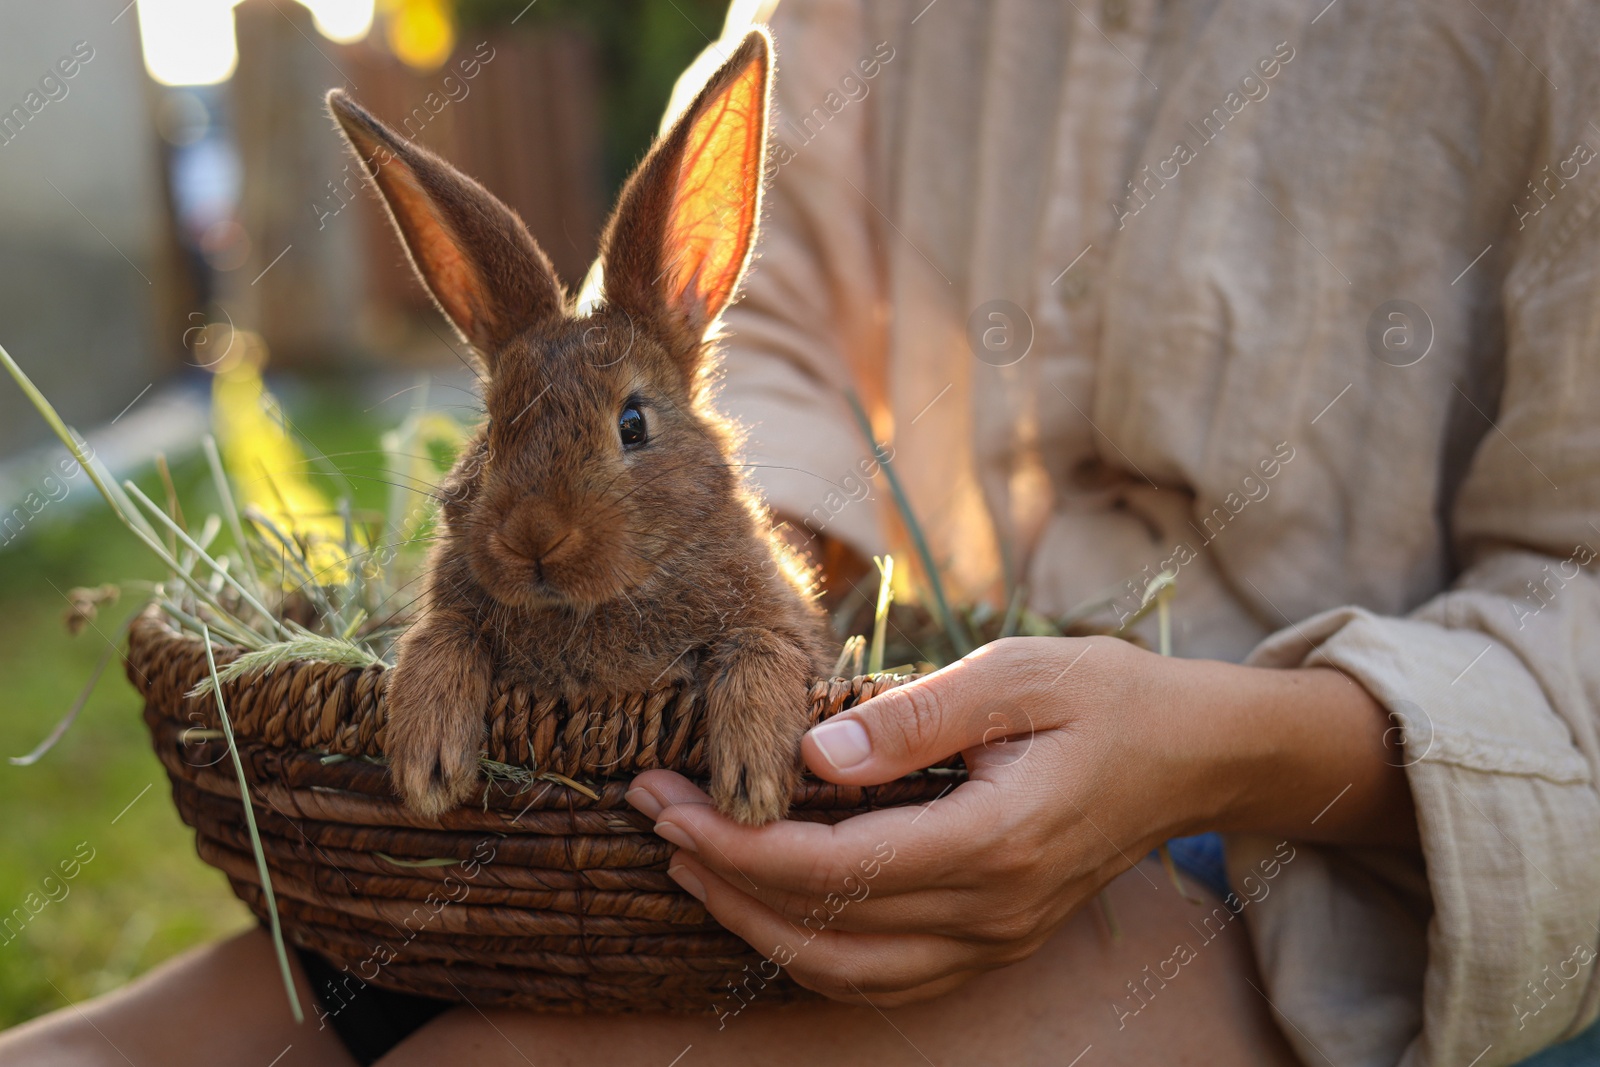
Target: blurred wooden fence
x=325, y=280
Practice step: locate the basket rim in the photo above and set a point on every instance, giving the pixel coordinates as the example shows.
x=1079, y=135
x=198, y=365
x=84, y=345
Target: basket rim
x=336, y=709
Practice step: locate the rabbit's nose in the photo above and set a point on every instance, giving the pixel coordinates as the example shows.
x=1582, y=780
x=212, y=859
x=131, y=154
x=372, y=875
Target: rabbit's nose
x=540, y=545
x=561, y=549
x=541, y=534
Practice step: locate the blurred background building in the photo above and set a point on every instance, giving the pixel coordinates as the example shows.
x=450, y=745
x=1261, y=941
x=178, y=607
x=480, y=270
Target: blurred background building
x=82, y=212
x=168, y=177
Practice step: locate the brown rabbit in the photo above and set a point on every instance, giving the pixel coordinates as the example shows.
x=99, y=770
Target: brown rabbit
x=597, y=538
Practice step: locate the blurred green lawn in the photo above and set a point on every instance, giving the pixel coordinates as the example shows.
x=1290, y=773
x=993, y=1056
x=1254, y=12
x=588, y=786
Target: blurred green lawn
x=144, y=895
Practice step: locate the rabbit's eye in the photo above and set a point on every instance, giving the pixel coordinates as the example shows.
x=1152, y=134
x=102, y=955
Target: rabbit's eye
x=631, y=428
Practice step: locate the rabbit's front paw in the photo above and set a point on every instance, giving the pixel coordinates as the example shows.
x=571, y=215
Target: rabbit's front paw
x=433, y=758
x=434, y=735
x=753, y=785
x=757, y=709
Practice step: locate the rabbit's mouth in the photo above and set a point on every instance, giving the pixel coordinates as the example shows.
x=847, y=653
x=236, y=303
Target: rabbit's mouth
x=573, y=570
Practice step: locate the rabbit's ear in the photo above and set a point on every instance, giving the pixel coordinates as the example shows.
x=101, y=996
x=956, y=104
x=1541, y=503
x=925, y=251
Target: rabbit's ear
x=681, y=237
x=472, y=251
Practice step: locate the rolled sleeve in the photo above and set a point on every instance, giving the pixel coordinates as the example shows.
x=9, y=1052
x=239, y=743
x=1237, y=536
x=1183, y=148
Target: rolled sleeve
x=1510, y=826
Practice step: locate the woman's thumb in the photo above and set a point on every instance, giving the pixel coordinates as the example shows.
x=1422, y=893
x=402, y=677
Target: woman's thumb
x=913, y=726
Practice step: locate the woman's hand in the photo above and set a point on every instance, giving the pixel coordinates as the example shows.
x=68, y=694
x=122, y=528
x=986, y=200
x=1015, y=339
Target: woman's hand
x=1082, y=756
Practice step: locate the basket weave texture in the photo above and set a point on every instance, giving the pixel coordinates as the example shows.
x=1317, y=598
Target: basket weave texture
x=538, y=896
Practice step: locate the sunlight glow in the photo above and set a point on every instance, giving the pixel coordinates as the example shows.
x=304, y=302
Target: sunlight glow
x=191, y=42
x=420, y=32
x=342, y=21
x=188, y=42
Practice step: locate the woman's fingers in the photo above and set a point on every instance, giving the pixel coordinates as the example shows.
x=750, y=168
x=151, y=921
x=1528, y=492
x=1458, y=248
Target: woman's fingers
x=857, y=907
x=935, y=845
x=814, y=871
x=809, y=860
x=839, y=965
x=927, y=991
x=652, y=791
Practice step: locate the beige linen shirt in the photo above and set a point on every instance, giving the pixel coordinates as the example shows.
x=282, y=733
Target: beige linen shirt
x=1300, y=300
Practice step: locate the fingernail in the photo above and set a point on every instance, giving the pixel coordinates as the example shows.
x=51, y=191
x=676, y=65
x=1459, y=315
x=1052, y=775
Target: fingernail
x=685, y=878
x=644, y=802
x=675, y=833
x=843, y=744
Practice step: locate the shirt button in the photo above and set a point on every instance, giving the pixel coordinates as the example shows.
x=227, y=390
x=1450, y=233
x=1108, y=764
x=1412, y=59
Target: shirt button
x=1113, y=14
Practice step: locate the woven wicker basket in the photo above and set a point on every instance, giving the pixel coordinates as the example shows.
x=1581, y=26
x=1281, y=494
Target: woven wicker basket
x=556, y=901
